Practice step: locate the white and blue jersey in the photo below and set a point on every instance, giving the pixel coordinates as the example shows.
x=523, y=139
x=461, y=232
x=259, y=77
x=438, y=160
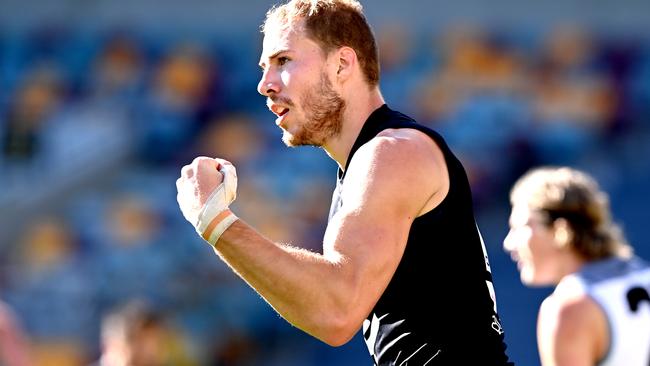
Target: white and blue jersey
x=621, y=287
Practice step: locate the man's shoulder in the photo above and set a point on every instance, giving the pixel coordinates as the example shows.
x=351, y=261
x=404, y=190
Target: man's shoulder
x=405, y=144
x=570, y=304
x=407, y=133
x=396, y=160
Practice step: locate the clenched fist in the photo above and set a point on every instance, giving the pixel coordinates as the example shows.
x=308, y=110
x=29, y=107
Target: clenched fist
x=206, y=188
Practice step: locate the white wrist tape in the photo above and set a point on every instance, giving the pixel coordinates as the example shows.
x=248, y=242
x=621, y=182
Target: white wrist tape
x=218, y=226
x=215, y=217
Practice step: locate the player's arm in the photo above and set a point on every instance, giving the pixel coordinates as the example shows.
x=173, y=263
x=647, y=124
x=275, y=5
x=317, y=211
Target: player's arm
x=14, y=349
x=571, y=331
x=390, y=181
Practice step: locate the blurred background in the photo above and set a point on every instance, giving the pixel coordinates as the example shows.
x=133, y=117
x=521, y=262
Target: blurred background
x=102, y=102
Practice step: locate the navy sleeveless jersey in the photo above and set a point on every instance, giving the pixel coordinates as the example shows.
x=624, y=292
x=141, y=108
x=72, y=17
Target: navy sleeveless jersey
x=438, y=308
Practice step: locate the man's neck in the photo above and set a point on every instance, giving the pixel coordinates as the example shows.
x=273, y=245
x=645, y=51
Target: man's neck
x=356, y=113
x=570, y=263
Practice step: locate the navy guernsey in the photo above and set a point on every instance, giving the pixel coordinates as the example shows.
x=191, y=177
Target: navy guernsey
x=438, y=308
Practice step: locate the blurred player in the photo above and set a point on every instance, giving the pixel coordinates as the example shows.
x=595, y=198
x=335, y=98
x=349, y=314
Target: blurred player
x=402, y=255
x=561, y=233
x=14, y=346
x=136, y=335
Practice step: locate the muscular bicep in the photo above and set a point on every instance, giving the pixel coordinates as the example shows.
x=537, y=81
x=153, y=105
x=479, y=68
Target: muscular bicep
x=387, y=184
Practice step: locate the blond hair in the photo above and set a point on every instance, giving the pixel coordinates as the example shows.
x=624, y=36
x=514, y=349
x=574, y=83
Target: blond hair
x=331, y=24
x=562, y=192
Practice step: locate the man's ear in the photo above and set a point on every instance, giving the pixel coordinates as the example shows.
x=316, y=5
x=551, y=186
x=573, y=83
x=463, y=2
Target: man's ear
x=562, y=233
x=346, y=63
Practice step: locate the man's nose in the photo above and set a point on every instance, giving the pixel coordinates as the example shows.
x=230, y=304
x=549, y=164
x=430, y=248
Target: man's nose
x=508, y=243
x=268, y=85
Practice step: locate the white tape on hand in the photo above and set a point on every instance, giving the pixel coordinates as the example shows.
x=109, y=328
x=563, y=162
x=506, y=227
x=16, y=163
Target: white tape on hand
x=216, y=217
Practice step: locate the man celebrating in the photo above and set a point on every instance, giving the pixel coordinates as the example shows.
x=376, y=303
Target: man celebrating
x=402, y=255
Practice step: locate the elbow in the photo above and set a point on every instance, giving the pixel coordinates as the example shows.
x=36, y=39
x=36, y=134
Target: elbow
x=341, y=314
x=339, y=330
x=339, y=337
x=338, y=342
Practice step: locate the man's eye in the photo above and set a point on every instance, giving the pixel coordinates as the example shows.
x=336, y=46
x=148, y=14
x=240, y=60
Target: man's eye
x=282, y=60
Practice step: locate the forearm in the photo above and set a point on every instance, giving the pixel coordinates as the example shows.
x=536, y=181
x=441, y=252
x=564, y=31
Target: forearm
x=317, y=293
x=309, y=290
